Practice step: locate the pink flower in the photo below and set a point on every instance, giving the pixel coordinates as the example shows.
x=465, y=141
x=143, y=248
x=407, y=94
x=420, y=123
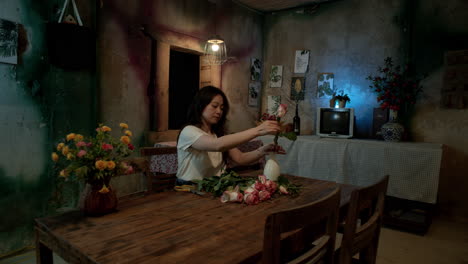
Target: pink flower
x=250, y=190
x=106, y=146
x=129, y=170
x=81, y=153
x=271, y=186
x=264, y=195
x=130, y=146
x=283, y=190
x=282, y=109
x=262, y=178
x=259, y=186
x=232, y=196
x=251, y=199
x=89, y=144
x=80, y=144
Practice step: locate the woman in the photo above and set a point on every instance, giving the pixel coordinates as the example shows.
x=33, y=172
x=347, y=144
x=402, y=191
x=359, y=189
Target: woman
x=202, y=147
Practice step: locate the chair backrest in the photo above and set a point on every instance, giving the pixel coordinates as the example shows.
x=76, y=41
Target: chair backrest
x=158, y=180
x=315, y=222
x=363, y=222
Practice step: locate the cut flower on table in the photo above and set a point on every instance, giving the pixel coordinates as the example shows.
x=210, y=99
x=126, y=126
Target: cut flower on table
x=231, y=187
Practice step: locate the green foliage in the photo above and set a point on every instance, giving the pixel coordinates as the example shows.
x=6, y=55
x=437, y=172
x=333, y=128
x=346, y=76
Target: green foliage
x=343, y=97
x=293, y=189
x=218, y=184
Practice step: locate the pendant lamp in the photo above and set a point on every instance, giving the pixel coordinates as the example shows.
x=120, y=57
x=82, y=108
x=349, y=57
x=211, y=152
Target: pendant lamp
x=215, y=51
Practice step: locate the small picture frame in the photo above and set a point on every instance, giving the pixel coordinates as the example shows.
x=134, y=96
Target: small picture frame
x=301, y=62
x=8, y=42
x=273, y=102
x=325, y=87
x=255, y=69
x=297, y=88
x=254, y=93
x=276, y=76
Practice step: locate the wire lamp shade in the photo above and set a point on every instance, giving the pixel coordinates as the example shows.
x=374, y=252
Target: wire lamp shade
x=215, y=51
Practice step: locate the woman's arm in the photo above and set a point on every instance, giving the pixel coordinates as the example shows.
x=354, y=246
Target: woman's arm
x=227, y=142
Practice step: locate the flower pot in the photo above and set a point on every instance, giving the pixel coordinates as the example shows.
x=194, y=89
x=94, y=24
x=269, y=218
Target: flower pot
x=95, y=203
x=272, y=169
x=342, y=104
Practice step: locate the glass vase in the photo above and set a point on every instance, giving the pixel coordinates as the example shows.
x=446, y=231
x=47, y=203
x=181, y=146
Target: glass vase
x=272, y=169
x=95, y=203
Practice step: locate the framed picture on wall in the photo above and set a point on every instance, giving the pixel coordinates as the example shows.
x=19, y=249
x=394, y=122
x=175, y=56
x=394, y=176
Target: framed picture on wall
x=254, y=93
x=301, y=62
x=297, y=88
x=8, y=41
x=273, y=102
x=325, y=87
x=255, y=69
x=276, y=76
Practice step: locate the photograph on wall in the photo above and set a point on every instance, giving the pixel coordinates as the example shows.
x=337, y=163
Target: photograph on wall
x=297, y=88
x=301, y=62
x=8, y=41
x=325, y=85
x=276, y=76
x=273, y=102
x=255, y=69
x=254, y=93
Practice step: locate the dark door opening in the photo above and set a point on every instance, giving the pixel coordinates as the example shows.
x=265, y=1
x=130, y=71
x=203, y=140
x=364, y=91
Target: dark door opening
x=184, y=77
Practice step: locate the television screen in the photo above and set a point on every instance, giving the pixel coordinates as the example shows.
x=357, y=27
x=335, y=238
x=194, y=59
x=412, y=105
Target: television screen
x=335, y=122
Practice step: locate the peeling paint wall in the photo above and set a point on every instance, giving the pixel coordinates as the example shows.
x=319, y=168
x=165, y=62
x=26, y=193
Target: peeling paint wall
x=124, y=53
x=38, y=104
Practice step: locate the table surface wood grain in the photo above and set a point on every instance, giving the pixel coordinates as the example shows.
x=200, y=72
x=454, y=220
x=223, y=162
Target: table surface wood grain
x=171, y=227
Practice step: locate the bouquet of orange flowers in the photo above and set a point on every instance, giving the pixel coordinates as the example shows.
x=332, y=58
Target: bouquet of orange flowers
x=94, y=159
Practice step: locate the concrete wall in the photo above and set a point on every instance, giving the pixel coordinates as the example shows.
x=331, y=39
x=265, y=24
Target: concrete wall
x=124, y=53
x=39, y=103
x=351, y=39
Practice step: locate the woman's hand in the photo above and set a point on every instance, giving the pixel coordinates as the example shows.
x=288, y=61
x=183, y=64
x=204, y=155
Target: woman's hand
x=268, y=127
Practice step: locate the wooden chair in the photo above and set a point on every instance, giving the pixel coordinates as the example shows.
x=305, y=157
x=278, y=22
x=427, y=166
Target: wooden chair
x=362, y=224
x=314, y=222
x=158, y=181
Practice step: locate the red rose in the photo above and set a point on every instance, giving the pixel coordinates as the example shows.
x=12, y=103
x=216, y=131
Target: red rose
x=130, y=146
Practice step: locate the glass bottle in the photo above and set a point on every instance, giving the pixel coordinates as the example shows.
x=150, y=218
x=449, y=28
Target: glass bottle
x=297, y=122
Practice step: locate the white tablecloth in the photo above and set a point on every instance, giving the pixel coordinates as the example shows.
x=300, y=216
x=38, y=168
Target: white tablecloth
x=413, y=167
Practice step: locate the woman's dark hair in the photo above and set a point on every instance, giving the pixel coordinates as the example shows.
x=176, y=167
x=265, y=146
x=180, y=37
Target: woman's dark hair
x=203, y=97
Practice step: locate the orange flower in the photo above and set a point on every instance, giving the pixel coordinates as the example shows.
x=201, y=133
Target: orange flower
x=70, y=136
x=70, y=156
x=125, y=139
x=128, y=133
x=78, y=137
x=65, y=150
x=104, y=189
x=123, y=126
x=110, y=165
x=60, y=146
x=55, y=157
x=100, y=164
x=64, y=174
x=106, y=129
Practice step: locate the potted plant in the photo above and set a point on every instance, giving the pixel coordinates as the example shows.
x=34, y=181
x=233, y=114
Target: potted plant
x=342, y=99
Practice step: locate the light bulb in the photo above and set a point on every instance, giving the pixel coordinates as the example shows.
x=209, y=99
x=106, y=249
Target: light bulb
x=215, y=47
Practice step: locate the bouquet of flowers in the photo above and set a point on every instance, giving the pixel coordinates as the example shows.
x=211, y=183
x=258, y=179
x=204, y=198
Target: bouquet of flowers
x=231, y=187
x=394, y=87
x=94, y=159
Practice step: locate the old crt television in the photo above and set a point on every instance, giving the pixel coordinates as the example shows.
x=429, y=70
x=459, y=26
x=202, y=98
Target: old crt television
x=335, y=122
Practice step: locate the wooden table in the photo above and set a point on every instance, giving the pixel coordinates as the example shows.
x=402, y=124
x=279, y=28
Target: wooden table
x=170, y=227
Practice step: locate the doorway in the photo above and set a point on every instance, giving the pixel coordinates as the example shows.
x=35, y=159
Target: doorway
x=184, y=78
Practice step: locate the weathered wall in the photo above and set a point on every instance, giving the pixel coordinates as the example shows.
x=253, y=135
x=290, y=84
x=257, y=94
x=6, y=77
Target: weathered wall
x=346, y=38
x=124, y=53
x=38, y=104
x=351, y=38
x=440, y=27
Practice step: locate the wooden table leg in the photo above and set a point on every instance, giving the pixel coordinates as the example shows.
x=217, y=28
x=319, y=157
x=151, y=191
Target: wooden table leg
x=43, y=253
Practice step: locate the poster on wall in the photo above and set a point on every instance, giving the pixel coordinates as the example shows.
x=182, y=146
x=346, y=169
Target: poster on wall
x=8, y=41
x=297, y=88
x=301, y=62
x=325, y=85
x=273, y=102
x=255, y=69
x=276, y=76
x=254, y=93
